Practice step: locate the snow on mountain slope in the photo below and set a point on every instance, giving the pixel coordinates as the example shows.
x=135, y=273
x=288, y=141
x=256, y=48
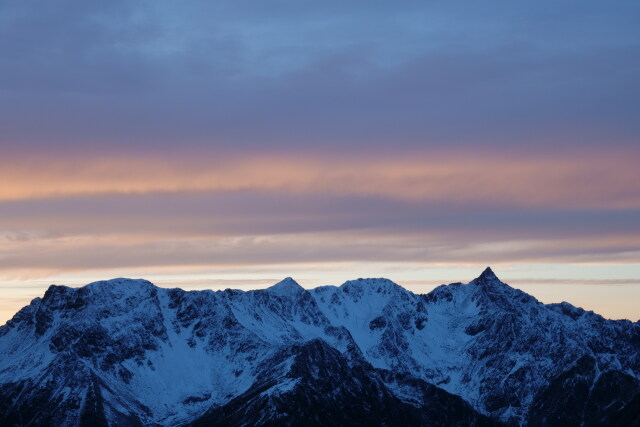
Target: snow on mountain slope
x=314, y=384
x=176, y=353
x=124, y=352
x=493, y=345
x=399, y=330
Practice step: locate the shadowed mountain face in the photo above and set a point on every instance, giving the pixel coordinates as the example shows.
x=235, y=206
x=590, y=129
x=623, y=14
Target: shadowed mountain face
x=124, y=352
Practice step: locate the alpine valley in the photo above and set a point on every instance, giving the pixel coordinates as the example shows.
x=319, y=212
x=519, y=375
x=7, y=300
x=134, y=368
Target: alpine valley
x=127, y=353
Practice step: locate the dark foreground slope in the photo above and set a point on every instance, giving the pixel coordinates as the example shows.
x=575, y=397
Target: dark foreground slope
x=124, y=352
x=329, y=390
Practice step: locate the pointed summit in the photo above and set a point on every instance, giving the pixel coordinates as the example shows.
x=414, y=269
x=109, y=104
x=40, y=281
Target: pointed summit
x=488, y=274
x=285, y=287
x=488, y=277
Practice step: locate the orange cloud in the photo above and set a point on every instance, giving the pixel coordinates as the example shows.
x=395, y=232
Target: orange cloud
x=593, y=179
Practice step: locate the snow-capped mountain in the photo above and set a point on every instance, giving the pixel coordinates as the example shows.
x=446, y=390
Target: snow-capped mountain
x=124, y=352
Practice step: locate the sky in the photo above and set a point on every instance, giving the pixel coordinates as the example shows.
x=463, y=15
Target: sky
x=208, y=145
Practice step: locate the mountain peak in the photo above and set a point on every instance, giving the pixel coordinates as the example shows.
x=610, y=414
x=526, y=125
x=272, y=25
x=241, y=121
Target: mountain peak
x=120, y=286
x=372, y=285
x=488, y=274
x=487, y=279
x=286, y=286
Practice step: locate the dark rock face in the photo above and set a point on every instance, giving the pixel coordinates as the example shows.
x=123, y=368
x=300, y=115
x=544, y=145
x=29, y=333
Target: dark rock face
x=125, y=353
x=629, y=415
x=330, y=390
x=47, y=403
x=583, y=396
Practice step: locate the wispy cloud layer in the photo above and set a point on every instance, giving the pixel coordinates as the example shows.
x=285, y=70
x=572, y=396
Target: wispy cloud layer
x=204, y=136
x=563, y=179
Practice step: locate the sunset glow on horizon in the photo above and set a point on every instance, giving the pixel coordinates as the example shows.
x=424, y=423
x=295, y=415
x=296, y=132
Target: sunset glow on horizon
x=211, y=146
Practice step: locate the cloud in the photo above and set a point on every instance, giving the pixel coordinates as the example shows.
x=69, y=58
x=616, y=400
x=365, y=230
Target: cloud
x=528, y=179
x=201, y=135
x=159, y=74
x=287, y=251
x=304, y=207
x=250, y=213
x=255, y=229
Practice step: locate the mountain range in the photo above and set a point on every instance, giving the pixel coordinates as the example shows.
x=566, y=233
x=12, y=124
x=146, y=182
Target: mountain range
x=124, y=352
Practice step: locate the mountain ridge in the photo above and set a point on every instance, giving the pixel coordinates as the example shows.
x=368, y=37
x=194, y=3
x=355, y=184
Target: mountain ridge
x=129, y=352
